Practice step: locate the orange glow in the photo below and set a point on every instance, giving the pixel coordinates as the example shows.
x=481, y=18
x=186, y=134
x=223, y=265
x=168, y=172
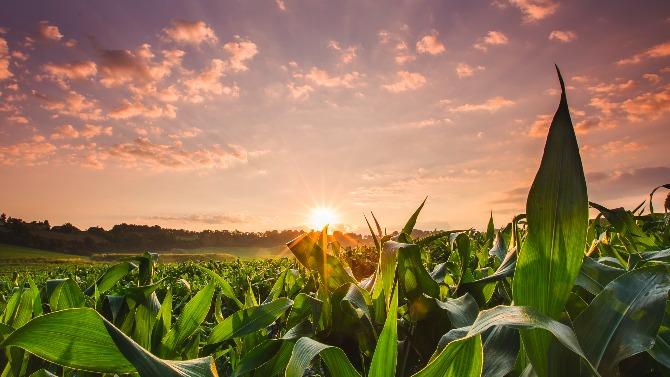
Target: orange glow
x=322, y=216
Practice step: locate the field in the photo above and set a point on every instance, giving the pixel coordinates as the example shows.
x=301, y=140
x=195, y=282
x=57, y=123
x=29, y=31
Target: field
x=550, y=293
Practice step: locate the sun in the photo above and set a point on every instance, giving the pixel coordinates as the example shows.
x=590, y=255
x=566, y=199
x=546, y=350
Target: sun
x=322, y=216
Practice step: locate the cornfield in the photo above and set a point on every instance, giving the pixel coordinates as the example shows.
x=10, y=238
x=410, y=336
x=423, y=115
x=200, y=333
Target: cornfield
x=552, y=293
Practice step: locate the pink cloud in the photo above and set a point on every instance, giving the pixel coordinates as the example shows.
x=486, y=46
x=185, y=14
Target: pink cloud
x=563, y=36
x=322, y=78
x=532, y=10
x=73, y=104
x=90, y=131
x=73, y=71
x=464, y=70
x=299, y=92
x=48, y=31
x=491, y=105
x=241, y=51
x=604, y=105
x=405, y=81
x=281, y=4
x=65, y=131
x=122, y=66
x=5, y=73
x=659, y=51
x=492, y=38
x=18, y=119
x=208, y=83
x=31, y=152
x=347, y=54
x=429, y=44
x=129, y=110
x=190, y=32
x=648, y=106
x=652, y=78
x=143, y=153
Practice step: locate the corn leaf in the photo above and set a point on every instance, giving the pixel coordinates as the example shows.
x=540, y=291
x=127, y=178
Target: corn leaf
x=189, y=320
x=58, y=338
x=306, y=349
x=624, y=318
x=247, y=321
x=385, y=357
x=557, y=214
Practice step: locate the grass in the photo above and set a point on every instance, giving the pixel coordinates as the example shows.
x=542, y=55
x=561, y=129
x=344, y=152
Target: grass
x=20, y=254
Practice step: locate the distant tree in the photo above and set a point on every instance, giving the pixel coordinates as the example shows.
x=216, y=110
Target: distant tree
x=65, y=228
x=3, y=218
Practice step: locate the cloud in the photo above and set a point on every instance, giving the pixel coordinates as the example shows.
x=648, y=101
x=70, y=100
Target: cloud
x=429, y=44
x=143, y=153
x=241, y=51
x=219, y=219
x=119, y=67
x=66, y=131
x=90, y=131
x=516, y=196
x=5, y=73
x=611, y=88
x=208, y=83
x=299, y=92
x=648, y=106
x=186, y=133
x=73, y=71
x=652, y=78
x=613, y=147
x=604, y=105
x=73, y=105
x=492, y=38
x=563, y=36
x=405, y=81
x=464, y=70
x=48, y=32
x=322, y=78
x=491, y=105
x=626, y=182
x=424, y=123
x=540, y=126
x=533, y=10
x=30, y=153
x=129, y=110
x=659, y=51
x=19, y=119
x=347, y=54
x=281, y=4
x=402, y=54
x=190, y=32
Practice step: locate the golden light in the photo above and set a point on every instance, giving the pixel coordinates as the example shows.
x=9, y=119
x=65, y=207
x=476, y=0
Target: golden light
x=322, y=216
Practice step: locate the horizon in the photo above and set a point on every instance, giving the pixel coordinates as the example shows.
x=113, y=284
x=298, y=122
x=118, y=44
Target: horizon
x=250, y=116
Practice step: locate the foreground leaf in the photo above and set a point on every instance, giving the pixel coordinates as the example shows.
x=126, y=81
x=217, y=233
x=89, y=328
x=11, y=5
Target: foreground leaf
x=306, y=349
x=58, y=338
x=624, y=318
x=557, y=214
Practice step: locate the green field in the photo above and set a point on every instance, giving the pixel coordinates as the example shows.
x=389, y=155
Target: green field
x=12, y=254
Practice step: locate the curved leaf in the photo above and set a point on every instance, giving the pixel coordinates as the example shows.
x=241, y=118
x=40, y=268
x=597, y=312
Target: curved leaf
x=247, y=321
x=306, y=349
x=624, y=318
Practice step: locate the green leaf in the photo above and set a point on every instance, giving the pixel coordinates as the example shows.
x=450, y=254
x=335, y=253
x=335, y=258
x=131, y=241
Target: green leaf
x=110, y=278
x=226, y=289
x=405, y=235
x=624, y=318
x=82, y=339
x=594, y=276
x=309, y=252
x=460, y=358
x=247, y=321
x=193, y=314
x=66, y=295
x=306, y=349
x=557, y=215
x=258, y=356
x=385, y=358
x=519, y=317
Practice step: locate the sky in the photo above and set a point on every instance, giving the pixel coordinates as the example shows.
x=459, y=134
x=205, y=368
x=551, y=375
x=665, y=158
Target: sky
x=248, y=114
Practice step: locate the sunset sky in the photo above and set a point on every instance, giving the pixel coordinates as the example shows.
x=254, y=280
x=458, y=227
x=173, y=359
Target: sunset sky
x=247, y=114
